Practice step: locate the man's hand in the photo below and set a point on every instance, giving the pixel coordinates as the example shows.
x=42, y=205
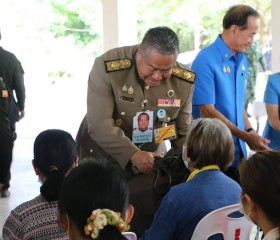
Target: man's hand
x=144, y=161
x=256, y=142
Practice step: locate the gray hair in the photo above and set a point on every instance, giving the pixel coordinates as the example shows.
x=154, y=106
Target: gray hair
x=163, y=39
x=210, y=143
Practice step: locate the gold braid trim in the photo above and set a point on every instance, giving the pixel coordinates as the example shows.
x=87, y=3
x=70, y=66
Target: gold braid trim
x=117, y=65
x=184, y=74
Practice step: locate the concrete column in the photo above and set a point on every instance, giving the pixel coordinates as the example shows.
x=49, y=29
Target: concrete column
x=119, y=23
x=275, y=6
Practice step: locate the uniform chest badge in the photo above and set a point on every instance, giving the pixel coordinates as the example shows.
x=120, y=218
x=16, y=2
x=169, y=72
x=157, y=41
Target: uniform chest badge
x=124, y=88
x=4, y=94
x=170, y=93
x=130, y=90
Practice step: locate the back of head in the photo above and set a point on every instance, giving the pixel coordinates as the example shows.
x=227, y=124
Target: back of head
x=238, y=15
x=54, y=155
x=259, y=178
x=210, y=143
x=94, y=184
x=163, y=39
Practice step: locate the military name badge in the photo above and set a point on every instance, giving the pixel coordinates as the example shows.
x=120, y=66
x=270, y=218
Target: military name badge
x=143, y=127
x=169, y=102
x=165, y=133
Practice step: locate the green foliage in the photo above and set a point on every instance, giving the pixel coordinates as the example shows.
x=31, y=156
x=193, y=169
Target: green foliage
x=71, y=23
x=211, y=26
x=192, y=19
x=153, y=13
x=76, y=19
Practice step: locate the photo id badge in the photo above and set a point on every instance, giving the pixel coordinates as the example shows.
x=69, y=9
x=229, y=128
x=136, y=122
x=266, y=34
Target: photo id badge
x=143, y=127
x=165, y=133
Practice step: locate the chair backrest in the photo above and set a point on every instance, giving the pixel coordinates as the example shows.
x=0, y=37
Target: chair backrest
x=130, y=235
x=259, y=109
x=227, y=221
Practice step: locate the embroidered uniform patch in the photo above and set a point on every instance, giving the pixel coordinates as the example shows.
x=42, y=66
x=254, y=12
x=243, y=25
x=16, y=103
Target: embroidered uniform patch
x=183, y=74
x=117, y=65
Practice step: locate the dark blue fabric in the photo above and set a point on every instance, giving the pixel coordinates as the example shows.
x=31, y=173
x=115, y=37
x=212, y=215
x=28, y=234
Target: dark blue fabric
x=187, y=203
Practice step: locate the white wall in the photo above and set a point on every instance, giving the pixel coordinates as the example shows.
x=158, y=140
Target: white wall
x=119, y=23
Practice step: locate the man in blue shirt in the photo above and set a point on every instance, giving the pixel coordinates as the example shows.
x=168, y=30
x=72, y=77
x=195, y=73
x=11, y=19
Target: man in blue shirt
x=221, y=77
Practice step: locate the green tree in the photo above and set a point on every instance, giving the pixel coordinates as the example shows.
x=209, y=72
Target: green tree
x=197, y=19
x=73, y=21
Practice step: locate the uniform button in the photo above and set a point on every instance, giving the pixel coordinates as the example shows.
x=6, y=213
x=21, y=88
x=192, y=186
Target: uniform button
x=147, y=87
x=91, y=150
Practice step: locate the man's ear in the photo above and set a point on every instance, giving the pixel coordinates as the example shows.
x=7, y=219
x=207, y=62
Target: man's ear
x=234, y=28
x=62, y=220
x=129, y=213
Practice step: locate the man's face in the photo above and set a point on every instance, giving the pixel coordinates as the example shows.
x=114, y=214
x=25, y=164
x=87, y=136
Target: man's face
x=245, y=37
x=154, y=67
x=143, y=123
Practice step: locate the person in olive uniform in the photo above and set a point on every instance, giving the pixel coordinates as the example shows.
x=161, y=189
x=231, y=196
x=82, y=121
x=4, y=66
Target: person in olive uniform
x=132, y=79
x=123, y=83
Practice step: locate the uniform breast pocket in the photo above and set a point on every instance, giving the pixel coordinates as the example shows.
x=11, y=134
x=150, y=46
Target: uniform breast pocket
x=172, y=113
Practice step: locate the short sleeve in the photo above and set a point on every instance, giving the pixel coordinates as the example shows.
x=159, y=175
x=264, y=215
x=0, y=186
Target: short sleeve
x=272, y=90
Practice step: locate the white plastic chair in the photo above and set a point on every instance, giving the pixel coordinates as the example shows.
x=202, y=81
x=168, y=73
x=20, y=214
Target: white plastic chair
x=130, y=235
x=259, y=111
x=219, y=221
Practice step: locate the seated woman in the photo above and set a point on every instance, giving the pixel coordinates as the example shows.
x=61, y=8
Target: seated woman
x=94, y=201
x=271, y=99
x=210, y=151
x=260, y=198
x=54, y=157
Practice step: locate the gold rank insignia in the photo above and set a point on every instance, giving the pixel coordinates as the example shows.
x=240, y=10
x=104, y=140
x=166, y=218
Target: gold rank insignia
x=117, y=65
x=184, y=74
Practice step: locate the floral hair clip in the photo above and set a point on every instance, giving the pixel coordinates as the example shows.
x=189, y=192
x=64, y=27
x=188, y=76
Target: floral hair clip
x=102, y=217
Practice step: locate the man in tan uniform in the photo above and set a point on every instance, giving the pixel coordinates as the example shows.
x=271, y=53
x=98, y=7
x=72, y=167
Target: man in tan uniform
x=128, y=80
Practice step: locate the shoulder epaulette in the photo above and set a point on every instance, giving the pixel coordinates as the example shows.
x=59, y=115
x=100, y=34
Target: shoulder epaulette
x=184, y=74
x=117, y=65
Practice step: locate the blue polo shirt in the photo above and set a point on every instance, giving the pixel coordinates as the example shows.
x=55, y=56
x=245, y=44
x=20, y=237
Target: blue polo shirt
x=221, y=80
x=272, y=96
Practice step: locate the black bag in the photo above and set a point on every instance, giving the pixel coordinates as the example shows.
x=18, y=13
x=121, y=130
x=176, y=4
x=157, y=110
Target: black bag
x=146, y=191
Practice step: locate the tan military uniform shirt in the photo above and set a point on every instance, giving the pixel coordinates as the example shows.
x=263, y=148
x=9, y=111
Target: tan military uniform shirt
x=110, y=109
